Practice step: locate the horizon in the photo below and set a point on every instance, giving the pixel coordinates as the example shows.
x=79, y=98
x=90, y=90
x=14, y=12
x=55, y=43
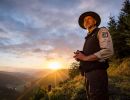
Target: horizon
x=25, y=70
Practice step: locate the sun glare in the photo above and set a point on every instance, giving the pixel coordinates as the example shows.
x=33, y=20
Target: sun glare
x=54, y=65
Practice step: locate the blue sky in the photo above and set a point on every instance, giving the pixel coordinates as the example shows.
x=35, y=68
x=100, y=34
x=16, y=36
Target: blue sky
x=34, y=32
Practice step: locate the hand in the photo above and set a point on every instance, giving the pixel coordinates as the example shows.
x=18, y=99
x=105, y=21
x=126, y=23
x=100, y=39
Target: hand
x=76, y=55
x=79, y=56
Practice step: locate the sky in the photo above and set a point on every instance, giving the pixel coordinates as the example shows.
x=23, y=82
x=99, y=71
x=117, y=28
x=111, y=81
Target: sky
x=36, y=32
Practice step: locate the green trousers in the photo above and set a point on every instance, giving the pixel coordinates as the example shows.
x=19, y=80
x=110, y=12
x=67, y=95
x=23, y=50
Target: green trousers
x=96, y=83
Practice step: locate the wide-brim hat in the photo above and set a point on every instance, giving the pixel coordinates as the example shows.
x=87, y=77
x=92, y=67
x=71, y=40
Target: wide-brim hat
x=89, y=13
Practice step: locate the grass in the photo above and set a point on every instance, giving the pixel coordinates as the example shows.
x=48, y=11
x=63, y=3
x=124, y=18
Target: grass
x=119, y=79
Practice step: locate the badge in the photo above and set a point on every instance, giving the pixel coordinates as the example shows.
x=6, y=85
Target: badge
x=104, y=34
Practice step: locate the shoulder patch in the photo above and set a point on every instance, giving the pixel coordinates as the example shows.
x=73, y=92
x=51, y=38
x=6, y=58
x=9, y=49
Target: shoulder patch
x=104, y=34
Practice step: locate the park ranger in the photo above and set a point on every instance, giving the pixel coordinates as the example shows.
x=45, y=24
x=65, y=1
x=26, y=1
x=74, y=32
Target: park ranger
x=98, y=47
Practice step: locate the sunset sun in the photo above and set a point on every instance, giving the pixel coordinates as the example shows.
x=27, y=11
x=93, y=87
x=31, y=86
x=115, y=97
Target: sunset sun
x=54, y=65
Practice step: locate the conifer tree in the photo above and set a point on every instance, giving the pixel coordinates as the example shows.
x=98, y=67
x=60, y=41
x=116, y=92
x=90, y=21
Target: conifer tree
x=112, y=26
x=124, y=29
x=126, y=18
x=120, y=31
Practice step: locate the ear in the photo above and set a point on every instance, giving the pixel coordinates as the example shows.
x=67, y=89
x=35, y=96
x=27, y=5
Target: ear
x=95, y=22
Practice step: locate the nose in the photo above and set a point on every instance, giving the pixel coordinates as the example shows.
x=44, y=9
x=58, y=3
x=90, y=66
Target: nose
x=86, y=22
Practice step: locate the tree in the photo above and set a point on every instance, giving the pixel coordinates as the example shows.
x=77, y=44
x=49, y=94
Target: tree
x=40, y=94
x=112, y=26
x=124, y=28
x=125, y=13
x=120, y=31
x=74, y=70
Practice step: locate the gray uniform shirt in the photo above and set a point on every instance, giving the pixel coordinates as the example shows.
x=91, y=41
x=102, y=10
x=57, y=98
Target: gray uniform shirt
x=106, y=45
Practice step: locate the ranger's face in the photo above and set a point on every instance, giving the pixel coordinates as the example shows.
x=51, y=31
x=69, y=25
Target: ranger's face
x=89, y=22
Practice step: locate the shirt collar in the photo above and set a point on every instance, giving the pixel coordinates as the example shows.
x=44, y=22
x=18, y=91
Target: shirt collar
x=92, y=30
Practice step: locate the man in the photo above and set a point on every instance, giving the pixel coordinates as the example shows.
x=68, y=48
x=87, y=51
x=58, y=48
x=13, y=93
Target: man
x=97, y=49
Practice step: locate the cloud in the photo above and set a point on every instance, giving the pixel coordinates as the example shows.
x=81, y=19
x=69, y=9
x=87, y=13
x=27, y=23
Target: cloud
x=47, y=28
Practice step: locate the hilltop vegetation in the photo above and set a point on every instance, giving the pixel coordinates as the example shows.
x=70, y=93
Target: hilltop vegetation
x=73, y=88
x=40, y=86
x=119, y=74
